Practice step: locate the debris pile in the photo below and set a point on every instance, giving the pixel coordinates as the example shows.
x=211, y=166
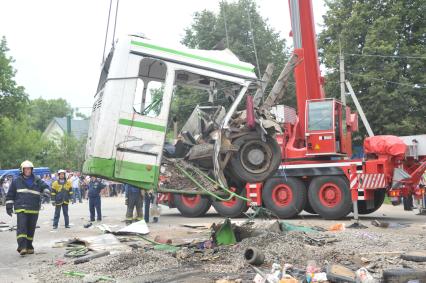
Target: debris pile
x=292, y=255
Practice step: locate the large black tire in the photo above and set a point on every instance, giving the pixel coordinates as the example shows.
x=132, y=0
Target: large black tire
x=233, y=208
x=330, y=197
x=379, y=198
x=255, y=160
x=286, y=197
x=417, y=256
x=192, y=205
x=403, y=275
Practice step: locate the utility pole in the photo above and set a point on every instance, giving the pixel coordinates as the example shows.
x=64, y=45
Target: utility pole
x=342, y=75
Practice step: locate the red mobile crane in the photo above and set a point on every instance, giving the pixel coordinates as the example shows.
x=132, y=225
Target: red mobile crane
x=317, y=173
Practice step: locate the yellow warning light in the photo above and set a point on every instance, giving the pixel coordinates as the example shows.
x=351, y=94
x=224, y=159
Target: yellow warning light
x=317, y=147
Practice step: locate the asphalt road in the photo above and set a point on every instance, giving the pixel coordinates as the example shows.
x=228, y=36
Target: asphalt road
x=14, y=268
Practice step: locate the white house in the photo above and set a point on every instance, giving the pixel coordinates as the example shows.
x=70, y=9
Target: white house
x=57, y=128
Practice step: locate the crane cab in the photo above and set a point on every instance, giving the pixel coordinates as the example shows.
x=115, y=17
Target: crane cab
x=328, y=128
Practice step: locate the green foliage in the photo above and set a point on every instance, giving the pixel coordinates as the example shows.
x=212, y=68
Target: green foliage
x=18, y=142
x=12, y=97
x=42, y=111
x=384, y=85
x=66, y=152
x=208, y=30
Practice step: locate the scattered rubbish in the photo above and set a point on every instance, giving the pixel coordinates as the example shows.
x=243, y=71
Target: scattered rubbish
x=339, y=273
x=59, y=262
x=363, y=276
x=273, y=277
x=365, y=260
x=357, y=225
x=105, y=242
x=76, y=250
x=254, y=256
x=229, y=281
x=139, y=228
x=416, y=256
x=287, y=227
x=162, y=240
x=161, y=247
x=395, y=225
x=382, y=253
x=223, y=233
x=84, y=275
x=311, y=269
x=337, y=227
x=275, y=227
x=320, y=277
x=90, y=257
x=209, y=244
x=195, y=226
x=88, y=225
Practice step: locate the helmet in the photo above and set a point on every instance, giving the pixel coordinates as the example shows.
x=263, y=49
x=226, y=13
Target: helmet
x=61, y=171
x=26, y=164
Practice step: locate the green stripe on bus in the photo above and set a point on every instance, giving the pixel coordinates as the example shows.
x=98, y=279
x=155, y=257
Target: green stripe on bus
x=144, y=125
x=192, y=56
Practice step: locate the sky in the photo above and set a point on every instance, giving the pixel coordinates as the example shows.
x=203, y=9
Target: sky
x=57, y=44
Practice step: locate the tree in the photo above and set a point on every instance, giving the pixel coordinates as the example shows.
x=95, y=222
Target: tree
x=42, y=111
x=18, y=142
x=13, y=99
x=384, y=44
x=66, y=152
x=208, y=30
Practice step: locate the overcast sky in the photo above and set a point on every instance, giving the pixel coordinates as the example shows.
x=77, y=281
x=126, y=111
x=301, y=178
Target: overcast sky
x=57, y=44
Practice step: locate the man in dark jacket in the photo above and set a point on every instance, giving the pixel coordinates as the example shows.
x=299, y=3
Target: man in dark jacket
x=61, y=193
x=25, y=196
x=134, y=200
x=94, y=194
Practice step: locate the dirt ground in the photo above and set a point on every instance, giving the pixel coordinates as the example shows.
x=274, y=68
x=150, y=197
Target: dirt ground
x=375, y=248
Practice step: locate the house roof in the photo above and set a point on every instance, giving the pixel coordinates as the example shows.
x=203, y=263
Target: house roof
x=79, y=128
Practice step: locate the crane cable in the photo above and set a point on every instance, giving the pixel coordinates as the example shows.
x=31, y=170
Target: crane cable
x=253, y=41
x=107, y=28
x=106, y=32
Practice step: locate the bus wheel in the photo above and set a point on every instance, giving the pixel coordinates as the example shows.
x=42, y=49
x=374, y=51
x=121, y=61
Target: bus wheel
x=330, y=197
x=192, y=205
x=285, y=197
x=235, y=207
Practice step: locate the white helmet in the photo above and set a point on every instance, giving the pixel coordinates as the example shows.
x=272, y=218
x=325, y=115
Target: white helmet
x=26, y=164
x=62, y=171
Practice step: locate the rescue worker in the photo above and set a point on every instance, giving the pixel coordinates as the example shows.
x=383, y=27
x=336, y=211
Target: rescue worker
x=133, y=200
x=61, y=195
x=94, y=194
x=25, y=196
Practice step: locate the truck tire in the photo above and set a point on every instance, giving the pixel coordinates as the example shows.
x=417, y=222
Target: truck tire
x=416, y=256
x=379, y=198
x=285, y=197
x=232, y=208
x=330, y=197
x=403, y=275
x=192, y=205
x=255, y=160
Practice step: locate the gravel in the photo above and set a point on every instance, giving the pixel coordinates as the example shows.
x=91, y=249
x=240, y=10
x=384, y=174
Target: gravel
x=352, y=248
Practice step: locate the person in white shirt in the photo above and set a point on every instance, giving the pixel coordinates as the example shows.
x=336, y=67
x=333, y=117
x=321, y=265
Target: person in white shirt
x=75, y=182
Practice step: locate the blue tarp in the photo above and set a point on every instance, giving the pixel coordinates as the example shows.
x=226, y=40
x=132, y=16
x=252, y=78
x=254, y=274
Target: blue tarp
x=40, y=171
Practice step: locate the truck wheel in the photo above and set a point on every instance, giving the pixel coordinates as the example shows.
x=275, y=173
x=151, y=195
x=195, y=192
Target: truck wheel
x=330, y=197
x=192, y=205
x=285, y=197
x=404, y=275
x=232, y=208
x=379, y=198
x=255, y=160
x=308, y=208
